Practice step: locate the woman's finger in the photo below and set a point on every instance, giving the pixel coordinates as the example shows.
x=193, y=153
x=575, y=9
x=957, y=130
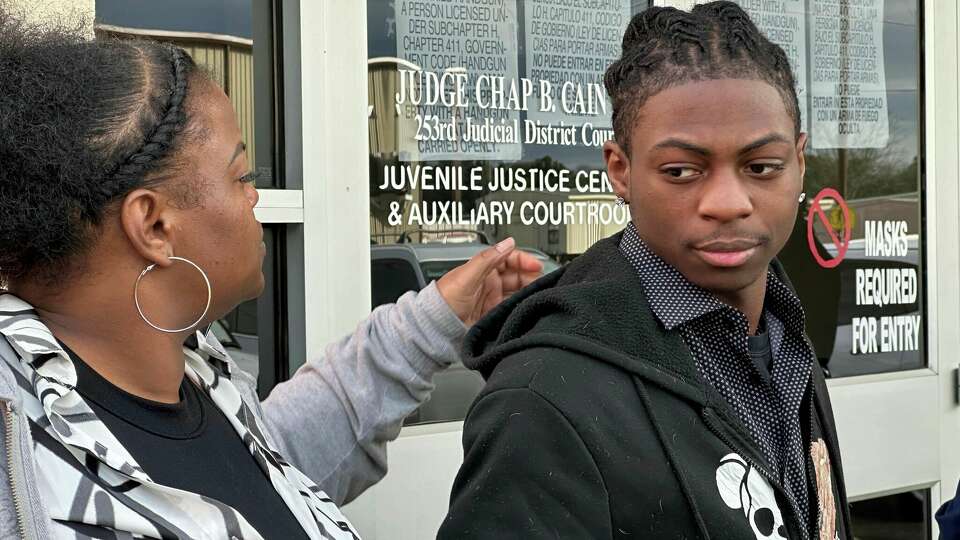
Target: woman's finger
x=511, y=282
x=527, y=278
x=479, y=266
x=492, y=294
x=522, y=261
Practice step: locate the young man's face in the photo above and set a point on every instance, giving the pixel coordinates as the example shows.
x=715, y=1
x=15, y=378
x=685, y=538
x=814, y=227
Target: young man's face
x=712, y=177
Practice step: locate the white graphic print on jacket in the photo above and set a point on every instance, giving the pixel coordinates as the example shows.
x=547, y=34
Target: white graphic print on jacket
x=743, y=488
x=86, y=476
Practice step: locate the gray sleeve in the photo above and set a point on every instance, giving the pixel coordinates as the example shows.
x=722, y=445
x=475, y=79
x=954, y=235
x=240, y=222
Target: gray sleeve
x=334, y=418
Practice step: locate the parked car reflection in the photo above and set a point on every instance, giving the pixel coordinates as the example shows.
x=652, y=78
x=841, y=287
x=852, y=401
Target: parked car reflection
x=398, y=268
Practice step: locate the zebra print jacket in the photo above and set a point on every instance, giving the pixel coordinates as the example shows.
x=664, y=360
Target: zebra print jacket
x=320, y=436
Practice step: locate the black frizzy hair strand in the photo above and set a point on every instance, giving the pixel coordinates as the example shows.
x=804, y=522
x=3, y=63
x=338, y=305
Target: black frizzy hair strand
x=82, y=123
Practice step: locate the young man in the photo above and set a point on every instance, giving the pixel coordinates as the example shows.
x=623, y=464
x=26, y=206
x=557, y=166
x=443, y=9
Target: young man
x=661, y=385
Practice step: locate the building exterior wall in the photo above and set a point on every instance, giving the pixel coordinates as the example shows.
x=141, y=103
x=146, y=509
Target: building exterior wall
x=68, y=12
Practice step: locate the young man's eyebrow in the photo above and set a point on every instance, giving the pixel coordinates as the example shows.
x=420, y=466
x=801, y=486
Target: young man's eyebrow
x=239, y=150
x=763, y=141
x=682, y=145
x=705, y=152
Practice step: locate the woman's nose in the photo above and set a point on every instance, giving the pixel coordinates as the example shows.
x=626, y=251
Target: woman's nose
x=253, y=195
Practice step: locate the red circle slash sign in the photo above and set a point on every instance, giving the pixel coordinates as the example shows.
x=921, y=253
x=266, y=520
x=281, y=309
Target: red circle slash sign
x=842, y=247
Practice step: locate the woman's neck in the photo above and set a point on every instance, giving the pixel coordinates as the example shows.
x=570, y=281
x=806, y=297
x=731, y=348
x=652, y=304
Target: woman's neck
x=106, y=331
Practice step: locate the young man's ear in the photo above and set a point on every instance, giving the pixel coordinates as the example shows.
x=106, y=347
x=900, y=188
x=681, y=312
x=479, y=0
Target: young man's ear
x=618, y=169
x=801, y=149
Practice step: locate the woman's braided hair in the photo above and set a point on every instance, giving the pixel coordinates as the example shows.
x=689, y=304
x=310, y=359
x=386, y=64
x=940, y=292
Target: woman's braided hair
x=159, y=136
x=664, y=47
x=82, y=123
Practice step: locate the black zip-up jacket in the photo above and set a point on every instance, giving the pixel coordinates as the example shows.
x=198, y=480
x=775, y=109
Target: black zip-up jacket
x=595, y=424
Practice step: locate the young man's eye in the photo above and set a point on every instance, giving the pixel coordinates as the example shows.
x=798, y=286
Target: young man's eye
x=764, y=169
x=680, y=173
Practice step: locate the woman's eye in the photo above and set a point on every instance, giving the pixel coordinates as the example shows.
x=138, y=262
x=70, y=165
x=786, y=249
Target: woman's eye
x=764, y=169
x=681, y=173
x=250, y=178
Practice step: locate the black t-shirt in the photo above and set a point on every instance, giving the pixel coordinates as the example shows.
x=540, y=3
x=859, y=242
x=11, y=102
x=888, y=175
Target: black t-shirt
x=758, y=347
x=191, y=446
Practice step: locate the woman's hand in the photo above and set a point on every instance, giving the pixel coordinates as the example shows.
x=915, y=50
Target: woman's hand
x=475, y=287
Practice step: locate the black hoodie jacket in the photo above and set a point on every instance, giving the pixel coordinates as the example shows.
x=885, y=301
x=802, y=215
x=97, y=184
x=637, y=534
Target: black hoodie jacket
x=595, y=424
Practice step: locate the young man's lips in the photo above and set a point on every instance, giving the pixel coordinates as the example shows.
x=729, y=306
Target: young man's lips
x=726, y=258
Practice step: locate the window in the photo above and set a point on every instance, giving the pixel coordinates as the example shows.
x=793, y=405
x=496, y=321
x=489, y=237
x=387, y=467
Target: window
x=391, y=278
x=236, y=43
x=862, y=99
x=491, y=117
x=904, y=516
x=424, y=180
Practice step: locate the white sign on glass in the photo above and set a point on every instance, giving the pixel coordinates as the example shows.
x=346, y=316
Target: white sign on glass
x=466, y=54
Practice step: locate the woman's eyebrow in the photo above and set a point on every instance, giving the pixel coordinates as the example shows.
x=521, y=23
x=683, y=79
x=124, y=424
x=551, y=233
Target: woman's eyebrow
x=239, y=150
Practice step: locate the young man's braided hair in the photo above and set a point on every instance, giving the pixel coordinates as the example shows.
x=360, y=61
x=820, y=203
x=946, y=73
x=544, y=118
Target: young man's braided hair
x=82, y=123
x=664, y=47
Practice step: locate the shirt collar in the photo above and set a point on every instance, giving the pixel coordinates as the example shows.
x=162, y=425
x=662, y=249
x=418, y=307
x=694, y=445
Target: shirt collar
x=675, y=300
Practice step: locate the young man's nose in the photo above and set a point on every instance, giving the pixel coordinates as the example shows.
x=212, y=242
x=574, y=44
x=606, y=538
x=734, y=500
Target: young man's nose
x=725, y=197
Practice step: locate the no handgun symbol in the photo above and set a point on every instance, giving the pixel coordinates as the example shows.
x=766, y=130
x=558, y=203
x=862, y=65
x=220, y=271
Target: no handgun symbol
x=816, y=213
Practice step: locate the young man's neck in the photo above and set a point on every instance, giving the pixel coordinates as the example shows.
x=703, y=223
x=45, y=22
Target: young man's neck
x=748, y=301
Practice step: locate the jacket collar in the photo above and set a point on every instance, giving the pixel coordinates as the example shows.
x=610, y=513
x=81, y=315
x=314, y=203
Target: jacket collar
x=596, y=306
x=48, y=368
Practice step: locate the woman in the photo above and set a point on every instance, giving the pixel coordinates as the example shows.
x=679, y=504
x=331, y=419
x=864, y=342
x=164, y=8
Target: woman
x=127, y=224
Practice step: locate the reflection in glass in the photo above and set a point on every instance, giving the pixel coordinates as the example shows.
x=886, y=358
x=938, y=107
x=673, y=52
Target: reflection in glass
x=534, y=41
x=903, y=516
x=882, y=187
x=238, y=332
x=219, y=36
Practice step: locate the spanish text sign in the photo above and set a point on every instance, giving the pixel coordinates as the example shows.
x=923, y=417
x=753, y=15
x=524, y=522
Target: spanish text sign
x=848, y=83
x=571, y=44
x=784, y=23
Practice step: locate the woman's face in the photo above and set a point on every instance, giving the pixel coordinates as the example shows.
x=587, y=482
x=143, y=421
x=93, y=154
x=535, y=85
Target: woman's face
x=221, y=233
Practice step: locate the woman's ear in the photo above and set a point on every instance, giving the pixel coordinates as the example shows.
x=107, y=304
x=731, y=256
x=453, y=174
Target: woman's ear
x=146, y=219
x=618, y=169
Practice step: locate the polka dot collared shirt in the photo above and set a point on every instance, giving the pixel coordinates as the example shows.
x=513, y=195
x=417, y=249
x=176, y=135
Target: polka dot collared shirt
x=766, y=398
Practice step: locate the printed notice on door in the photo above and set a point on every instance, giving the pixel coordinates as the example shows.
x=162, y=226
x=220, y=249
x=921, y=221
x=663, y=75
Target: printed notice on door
x=848, y=84
x=784, y=23
x=570, y=44
x=453, y=47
